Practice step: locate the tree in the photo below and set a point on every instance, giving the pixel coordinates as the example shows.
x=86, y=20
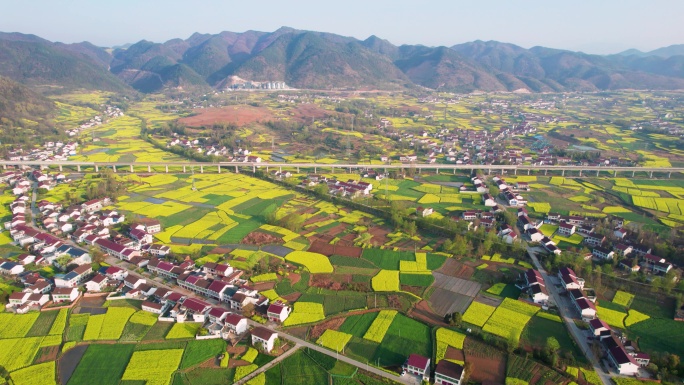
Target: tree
x=467, y=371
x=63, y=261
x=96, y=255
x=456, y=319
x=248, y=310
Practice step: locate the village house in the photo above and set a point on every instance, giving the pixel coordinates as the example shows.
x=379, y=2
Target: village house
x=97, y=283
x=656, y=264
x=64, y=294
x=152, y=307
x=11, y=268
x=569, y=279
x=424, y=211
x=195, y=308
x=599, y=329
x=618, y=357
x=566, y=229
x=602, y=253
x=586, y=308
x=264, y=338
x=133, y=282
x=278, y=312
x=74, y=277
x=418, y=365
x=448, y=373
x=235, y=324
x=158, y=250
x=594, y=239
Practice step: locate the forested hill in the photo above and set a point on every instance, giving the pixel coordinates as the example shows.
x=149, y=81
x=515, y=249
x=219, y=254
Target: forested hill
x=317, y=60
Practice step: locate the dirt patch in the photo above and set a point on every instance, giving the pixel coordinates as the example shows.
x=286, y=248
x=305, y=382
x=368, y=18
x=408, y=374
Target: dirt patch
x=235, y=363
x=490, y=363
x=379, y=235
x=454, y=354
x=294, y=278
x=261, y=286
x=236, y=350
x=457, y=269
x=259, y=238
x=423, y=312
x=304, y=112
x=328, y=249
x=69, y=361
x=220, y=250
x=46, y=354
x=333, y=324
x=237, y=115
x=292, y=297
x=92, y=301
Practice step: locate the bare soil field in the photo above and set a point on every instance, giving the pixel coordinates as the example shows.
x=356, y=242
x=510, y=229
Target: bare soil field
x=237, y=115
x=423, y=312
x=490, y=362
x=69, y=361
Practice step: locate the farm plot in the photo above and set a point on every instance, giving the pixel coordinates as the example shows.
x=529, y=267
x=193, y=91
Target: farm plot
x=478, y=313
x=446, y=338
x=183, y=330
x=386, y=280
x=155, y=367
x=612, y=317
x=332, y=339
x=358, y=324
x=510, y=318
x=404, y=336
x=199, y=351
x=314, y=262
x=376, y=331
x=108, y=326
x=452, y=294
x=43, y=324
x=16, y=353
x=623, y=298
x=43, y=374
x=16, y=325
x=102, y=364
x=304, y=313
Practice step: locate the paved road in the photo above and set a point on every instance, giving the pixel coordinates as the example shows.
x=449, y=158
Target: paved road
x=567, y=311
x=268, y=366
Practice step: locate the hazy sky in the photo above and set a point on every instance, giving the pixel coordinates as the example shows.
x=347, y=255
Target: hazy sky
x=596, y=26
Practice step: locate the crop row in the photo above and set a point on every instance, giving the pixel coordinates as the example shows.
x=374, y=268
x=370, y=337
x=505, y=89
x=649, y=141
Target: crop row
x=264, y=277
x=153, y=366
x=446, y=338
x=386, y=280
x=43, y=374
x=380, y=326
x=314, y=262
x=332, y=339
x=478, y=313
x=305, y=312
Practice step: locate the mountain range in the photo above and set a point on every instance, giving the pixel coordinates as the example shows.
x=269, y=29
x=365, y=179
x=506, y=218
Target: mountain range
x=318, y=60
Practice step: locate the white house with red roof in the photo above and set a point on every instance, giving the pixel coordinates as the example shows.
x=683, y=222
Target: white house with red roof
x=566, y=229
x=264, y=338
x=195, y=308
x=64, y=294
x=235, y=324
x=599, y=329
x=569, y=279
x=418, y=366
x=152, y=307
x=278, y=311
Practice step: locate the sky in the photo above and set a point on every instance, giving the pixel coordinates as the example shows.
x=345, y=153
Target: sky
x=591, y=26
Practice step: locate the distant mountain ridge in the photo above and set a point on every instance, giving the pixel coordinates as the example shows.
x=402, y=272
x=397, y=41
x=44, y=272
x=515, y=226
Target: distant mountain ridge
x=319, y=60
